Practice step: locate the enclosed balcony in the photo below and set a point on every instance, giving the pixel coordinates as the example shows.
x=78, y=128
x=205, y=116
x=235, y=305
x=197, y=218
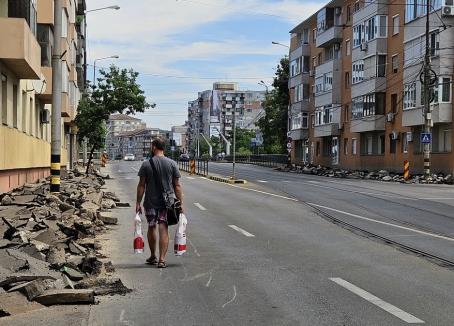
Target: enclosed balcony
x=441, y=113
x=370, y=123
x=20, y=50
x=329, y=27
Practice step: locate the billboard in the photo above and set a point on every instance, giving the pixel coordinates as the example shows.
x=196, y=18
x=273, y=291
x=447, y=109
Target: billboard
x=216, y=107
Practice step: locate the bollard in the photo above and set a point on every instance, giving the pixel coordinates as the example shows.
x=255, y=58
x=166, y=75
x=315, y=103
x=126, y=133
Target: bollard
x=406, y=170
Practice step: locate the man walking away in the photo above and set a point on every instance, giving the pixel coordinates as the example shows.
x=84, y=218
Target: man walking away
x=154, y=205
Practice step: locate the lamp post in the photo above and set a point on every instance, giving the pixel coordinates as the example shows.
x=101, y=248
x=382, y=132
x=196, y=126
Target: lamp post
x=103, y=8
x=99, y=59
x=262, y=83
x=280, y=44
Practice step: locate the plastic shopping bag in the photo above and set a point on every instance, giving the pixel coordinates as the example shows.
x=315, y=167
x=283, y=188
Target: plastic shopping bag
x=139, y=244
x=180, y=236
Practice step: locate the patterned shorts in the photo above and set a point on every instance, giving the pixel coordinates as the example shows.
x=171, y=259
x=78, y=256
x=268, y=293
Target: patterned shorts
x=156, y=216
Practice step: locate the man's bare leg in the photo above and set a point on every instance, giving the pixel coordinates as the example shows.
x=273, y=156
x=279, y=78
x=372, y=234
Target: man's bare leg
x=151, y=235
x=163, y=241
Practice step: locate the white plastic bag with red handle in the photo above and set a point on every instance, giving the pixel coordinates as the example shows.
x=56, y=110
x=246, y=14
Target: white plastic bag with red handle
x=139, y=243
x=180, y=236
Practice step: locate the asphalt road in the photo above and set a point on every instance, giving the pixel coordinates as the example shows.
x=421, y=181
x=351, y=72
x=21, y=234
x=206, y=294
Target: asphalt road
x=420, y=217
x=257, y=256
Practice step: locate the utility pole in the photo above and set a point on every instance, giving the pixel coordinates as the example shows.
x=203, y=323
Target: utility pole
x=234, y=139
x=56, y=100
x=427, y=96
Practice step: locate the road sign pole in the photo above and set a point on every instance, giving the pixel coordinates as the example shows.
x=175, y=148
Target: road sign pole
x=427, y=113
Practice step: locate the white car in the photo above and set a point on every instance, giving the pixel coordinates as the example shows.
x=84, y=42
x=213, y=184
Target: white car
x=130, y=157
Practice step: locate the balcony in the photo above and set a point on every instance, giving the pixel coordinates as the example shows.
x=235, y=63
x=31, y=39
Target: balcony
x=326, y=130
x=20, y=50
x=46, y=12
x=299, y=134
x=45, y=96
x=441, y=113
x=329, y=36
x=370, y=123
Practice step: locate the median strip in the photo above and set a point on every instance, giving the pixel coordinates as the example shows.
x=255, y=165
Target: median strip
x=227, y=180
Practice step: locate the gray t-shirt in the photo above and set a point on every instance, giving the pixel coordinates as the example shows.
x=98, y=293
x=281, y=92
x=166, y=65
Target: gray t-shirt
x=168, y=170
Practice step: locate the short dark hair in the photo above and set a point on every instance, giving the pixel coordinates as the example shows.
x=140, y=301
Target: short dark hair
x=159, y=143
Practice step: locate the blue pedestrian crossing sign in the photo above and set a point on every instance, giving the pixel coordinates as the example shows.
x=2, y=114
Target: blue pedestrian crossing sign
x=426, y=138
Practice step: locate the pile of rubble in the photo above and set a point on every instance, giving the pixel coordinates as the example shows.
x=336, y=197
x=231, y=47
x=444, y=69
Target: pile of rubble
x=381, y=175
x=48, y=251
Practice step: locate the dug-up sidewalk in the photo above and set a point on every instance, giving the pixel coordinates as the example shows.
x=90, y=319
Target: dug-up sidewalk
x=49, y=253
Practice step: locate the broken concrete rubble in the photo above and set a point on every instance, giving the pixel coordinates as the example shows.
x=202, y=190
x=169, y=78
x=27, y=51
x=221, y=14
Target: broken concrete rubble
x=48, y=247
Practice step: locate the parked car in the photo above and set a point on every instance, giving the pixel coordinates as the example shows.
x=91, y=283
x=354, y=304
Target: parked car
x=184, y=157
x=130, y=157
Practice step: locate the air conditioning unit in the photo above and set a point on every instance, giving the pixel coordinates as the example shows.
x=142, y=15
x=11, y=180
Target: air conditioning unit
x=448, y=8
x=336, y=46
x=390, y=117
x=409, y=136
x=45, y=116
x=338, y=11
x=363, y=46
x=394, y=135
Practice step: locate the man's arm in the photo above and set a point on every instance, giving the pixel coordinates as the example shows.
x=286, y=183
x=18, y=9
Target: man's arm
x=140, y=192
x=178, y=191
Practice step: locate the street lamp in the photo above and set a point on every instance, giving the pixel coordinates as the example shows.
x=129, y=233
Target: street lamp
x=262, y=83
x=277, y=43
x=99, y=59
x=104, y=8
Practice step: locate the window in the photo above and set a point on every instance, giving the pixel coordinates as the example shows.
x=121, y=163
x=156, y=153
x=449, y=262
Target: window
x=64, y=23
x=324, y=83
x=395, y=24
x=434, y=43
x=305, y=120
x=296, y=122
x=295, y=67
x=24, y=111
x=345, y=146
x=447, y=140
x=381, y=65
x=305, y=36
x=306, y=64
x=395, y=63
x=4, y=94
x=410, y=96
x=65, y=77
x=381, y=144
x=319, y=58
x=318, y=148
x=375, y=27
x=324, y=115
x=404, y=143
x=392, y=144
x=354, y=146
x=325, y=19
x=368, y=105
x=358, y=35
x=348, y=47
x=356, y=6
x=314, y=62
x=394, y=108
x=306, y=92
x=319, y=85
x=15, y=106
x=23, y=9
x=346, y=112
x=314, y=35
x=347, y=79
x=414, y=50
x=357, y=71
x=328, y=81
x=446, y=89
x=417, y=8
x=349, y=13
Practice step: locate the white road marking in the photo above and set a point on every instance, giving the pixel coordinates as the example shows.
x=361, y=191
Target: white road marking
x=393, y=310
x=262, y=181
x=384, y=223
x=435, y=198
x=245, y=233
x=190, y=178
x=262, y=192
x=233, y=299
x=195, y=249
x=134, y=169
x=122, y=315
x=311, y=181
x=200, y=207
x=314, y=184
x=195, y=277
x=209, y=280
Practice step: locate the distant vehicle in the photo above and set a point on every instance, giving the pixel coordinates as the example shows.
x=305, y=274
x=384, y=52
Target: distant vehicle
x=184, y=157
x=130, y=157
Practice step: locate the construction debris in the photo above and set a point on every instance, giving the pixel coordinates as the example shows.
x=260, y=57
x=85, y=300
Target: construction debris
x=48, y=251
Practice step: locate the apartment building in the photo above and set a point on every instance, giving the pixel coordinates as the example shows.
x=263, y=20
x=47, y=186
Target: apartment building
x=120, y=124
x=138, y=142
x=356, y=93
x=178, y=137
x=26, y=38
x=212, y=113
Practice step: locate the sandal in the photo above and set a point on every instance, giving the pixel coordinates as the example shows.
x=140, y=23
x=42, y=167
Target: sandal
x=162, y=264
x=152, y=261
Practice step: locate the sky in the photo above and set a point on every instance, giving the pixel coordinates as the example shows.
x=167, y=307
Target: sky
x=180, y=47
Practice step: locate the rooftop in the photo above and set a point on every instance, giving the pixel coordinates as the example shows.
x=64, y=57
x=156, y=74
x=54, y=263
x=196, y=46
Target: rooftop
x=122, y=117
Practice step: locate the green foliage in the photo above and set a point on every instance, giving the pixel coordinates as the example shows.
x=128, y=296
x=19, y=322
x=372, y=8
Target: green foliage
x=274, y=124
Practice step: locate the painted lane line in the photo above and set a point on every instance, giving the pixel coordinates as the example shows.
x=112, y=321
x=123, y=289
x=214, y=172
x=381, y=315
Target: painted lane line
x=200, y=207
x=314, y=184
x=134, y=169
x=210, y=279
x=262, y=192
x=245, y=233
x=194, y=247
x=384, y=223
x=436, y=198
x=262, y=181
x=393, y=310
x=190, y=178
x=233, y=299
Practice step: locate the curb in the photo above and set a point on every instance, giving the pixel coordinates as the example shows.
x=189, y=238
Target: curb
x=227, y=180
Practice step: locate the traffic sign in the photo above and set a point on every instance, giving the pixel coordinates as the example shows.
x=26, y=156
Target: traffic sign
x=426, y=138
x=289, y=145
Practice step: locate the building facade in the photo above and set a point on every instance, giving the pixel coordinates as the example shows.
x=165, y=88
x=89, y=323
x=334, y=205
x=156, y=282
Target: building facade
x=26, y=38
x=212, y=113
x=356, y=91
x=178, y=138
x=119, y=124
x=138, y=142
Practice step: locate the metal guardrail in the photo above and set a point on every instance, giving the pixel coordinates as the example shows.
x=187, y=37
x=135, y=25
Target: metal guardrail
x=199, y=167
x=267, y=160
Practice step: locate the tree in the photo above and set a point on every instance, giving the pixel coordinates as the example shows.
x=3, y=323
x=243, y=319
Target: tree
x=243, y=141
x=117, y=92
x=274, y=124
